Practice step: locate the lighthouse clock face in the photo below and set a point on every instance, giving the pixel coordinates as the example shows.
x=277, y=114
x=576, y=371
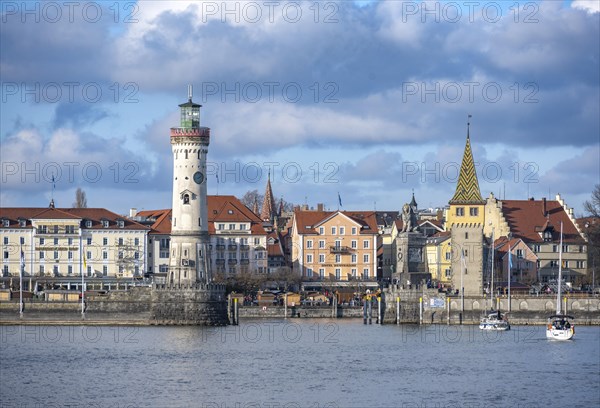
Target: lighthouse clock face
x=198, y=177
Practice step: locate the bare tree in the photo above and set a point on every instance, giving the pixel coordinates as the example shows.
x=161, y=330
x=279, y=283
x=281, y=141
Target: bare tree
x=251, y=197
x=80, y=199
x=593, y=206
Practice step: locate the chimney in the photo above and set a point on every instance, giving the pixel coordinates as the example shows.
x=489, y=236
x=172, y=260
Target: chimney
x=132, y=212
x=319, y=206
x=544, y=206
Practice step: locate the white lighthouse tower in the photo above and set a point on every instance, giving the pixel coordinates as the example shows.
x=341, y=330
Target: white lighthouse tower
x=188, y=261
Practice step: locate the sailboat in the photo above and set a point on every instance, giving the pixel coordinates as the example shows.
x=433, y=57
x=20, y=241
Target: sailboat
x=560, y=326
x=494, y=320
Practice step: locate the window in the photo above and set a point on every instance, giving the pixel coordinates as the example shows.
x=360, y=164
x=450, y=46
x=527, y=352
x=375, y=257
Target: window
x=321, y=244
x=70, y=229
x=520, y=253
x=221, y=227
x=309, y=244
x=5, y=270
x=256, y=241
x=104, y=255
x=338, y=258
x=6, y=223
x=43, y=229
x=70, y=241
x=70, y=269
x=460, y=211
x=5, y=240
x=354, y=231
x=55, y=270
x=55, y=241
x=554, y=248
x=366, y=258
x=88, y=255
x=136, y=255
x=581, y=248
x=89, y=270
x=580, y=264
x=447, y=273
x=89, y=241
x=42, y=269
x=321, y=230
x=5, y=254
x=354, y=244
x=186, y=198
x=121, y=223
x=242, y=227
x=42, y=254
x=366, y=273
x=22, y=240
x=309, y=272
x=88, y=224
x=338, y=273
x=353, y=272
x=553, y=263
x=333, y=230
x=354, y=257
x=466, y=235
x=537, y=248
x=448, y=256
x=42, y=241
x=120, y=241
x=231, y=226
x=120, y=255
x=55, y=254
x=342, y=230
x=565, y=248
x=365, y=244
x=565, y=264
x=105, y=223
x=309, y=258
x=70, y=255
x=321, y=258
x=473, y=211
x=104, y=241
x=104, y=270
x=55, y=229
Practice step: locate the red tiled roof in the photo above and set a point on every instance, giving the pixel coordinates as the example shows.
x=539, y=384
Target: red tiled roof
x=526, y=220
x=95, y=215
x=307, y=220
x=222, y=208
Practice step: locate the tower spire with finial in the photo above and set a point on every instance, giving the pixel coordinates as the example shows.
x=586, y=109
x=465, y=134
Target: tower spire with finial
x=190, y=91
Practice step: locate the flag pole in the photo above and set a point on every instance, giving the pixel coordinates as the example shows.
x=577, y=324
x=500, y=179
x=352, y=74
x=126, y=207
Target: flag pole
x=81, y=259
x=21, y=271
x=509, y=272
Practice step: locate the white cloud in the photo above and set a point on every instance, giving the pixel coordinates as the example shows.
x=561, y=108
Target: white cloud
x=591, y=6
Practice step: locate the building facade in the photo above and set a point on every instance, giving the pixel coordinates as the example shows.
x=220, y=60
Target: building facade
x=334, y=246
x=63, y=242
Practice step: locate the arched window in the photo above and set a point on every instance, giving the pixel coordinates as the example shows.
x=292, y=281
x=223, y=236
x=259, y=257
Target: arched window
x=186, y=153
x=186, y=198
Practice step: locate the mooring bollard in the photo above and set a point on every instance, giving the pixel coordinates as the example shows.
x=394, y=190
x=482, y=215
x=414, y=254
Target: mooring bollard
x=365, y=315
x=448, y=314
x=398, y=310
x=420, y=310
x=370, y=311
x=378, y=309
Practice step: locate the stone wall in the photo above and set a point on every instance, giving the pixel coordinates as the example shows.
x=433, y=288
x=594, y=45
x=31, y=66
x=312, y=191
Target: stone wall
x=160, y=305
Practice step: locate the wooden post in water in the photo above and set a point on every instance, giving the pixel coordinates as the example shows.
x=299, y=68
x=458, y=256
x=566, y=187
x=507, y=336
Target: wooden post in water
x=370, y=310
x=365, y=314
x=285, y=306
x=420, y=310
x=398, y=310
x=448, y=314
x=378, y=309
x=235, y=312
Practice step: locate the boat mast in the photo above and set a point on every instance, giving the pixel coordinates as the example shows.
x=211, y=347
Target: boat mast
x=559, y=270
x=492, y=279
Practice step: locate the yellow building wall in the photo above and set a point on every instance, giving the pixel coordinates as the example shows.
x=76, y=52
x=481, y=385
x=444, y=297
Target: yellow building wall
x=471, y=214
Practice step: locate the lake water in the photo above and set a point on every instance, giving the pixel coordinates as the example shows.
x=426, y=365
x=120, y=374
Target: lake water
x=296, y=363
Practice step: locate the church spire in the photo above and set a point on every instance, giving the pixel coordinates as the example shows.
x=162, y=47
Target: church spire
x=267, y=212
x=467, y=188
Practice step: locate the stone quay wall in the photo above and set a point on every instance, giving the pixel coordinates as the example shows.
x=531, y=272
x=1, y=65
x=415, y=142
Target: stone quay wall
x=524, y=309
x=198, y=304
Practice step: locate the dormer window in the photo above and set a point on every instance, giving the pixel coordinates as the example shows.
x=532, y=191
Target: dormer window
x=6, y=222
x=88, y=223
x=229, y=211
x=547, y=235
x=105, y=223
x=22, y=222
x=121, y=223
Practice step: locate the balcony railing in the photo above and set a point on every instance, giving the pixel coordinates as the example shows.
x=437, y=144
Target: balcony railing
x=244, y=247
x=232, y=247
x=232, y=262
x=220, y=247
x=340, y=249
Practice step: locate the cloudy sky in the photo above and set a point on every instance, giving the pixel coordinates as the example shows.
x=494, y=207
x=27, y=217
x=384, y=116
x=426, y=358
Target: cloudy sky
x=366, y=99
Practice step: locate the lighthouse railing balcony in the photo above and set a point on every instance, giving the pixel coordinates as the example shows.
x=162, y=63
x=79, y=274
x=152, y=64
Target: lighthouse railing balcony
x=201, y=131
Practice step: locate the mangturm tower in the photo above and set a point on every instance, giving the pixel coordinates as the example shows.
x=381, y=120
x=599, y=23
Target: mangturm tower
x=465, y=220
x=188, y=261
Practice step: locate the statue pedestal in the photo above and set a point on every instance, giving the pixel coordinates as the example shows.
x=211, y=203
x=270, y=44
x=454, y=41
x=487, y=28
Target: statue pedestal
x=411, y=259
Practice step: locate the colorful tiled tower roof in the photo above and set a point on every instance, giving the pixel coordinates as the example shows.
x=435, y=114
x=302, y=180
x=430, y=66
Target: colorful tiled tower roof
x=467, y=188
